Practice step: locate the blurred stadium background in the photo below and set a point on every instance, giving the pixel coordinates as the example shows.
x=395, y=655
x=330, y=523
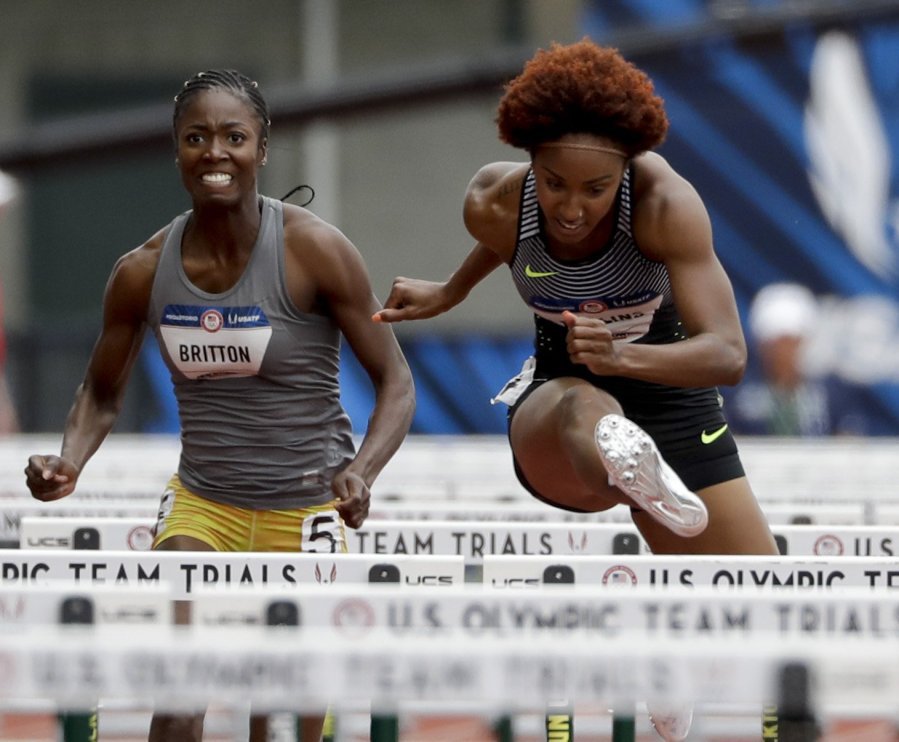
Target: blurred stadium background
x=785, y=115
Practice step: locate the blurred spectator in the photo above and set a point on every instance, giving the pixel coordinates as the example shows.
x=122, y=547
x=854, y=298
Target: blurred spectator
x=778, y=396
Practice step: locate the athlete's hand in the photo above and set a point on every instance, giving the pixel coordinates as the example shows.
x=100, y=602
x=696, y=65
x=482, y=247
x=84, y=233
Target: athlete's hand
x=50, y=477
x=413, y=298
x=353, y=498
x=589, y=342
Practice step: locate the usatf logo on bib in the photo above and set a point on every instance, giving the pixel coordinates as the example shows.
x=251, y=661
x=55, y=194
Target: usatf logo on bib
x=210, y=342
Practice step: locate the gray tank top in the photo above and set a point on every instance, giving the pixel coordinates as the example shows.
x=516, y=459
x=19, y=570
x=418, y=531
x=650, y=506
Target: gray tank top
x=256, y=380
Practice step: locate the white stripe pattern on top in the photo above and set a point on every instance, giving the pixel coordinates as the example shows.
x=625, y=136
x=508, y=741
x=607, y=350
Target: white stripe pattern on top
x=614, y=280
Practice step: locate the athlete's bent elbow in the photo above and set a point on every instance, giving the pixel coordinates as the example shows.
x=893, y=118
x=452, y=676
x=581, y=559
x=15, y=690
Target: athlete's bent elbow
x=735, y=367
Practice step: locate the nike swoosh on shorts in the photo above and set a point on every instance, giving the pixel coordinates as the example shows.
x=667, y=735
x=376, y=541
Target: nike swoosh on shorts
x=707, y=438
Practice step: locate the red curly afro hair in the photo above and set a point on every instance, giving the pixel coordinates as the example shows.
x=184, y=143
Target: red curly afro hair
x=581, y=88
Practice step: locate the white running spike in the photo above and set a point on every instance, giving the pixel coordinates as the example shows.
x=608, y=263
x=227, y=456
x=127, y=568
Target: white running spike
x=636, y=467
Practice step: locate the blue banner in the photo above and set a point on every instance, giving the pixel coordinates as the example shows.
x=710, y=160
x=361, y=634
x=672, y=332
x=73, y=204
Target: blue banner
x=790, y=136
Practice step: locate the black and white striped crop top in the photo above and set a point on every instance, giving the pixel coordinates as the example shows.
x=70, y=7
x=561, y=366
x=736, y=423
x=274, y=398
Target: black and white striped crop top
x=617, y=284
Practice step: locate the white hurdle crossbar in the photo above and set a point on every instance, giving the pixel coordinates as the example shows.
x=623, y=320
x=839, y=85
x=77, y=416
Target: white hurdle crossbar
x=185, y=571
x=688, y=571
x=470, y=539
x=100, y=605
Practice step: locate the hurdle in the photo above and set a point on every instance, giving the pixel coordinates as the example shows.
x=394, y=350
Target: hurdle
x=106, y=605
x=86, y=532
x=473, y=541
x=799, y=572
x=13, y=510
x=800, y=575
x=574, y=610
x=464, y=469
x=103, y=607
x=294, y=570
x=608, y=615
x=418, y=669
x=794, y=485
x=469, y=648
x=469, y=539
x=184, y=572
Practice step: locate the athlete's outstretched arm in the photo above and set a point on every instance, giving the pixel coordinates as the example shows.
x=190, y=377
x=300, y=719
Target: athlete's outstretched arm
x=414, y=298
x=490, y=213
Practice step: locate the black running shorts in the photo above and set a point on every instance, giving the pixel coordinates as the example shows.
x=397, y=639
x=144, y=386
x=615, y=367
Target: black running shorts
x=690, y=431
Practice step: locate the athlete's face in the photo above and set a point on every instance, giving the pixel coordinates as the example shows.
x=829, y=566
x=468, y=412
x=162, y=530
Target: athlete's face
x=577, y=181
x=219, y=147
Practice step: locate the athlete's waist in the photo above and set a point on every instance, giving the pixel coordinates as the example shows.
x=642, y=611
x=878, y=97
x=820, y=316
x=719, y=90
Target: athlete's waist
x=554, y=364
x=312, y=487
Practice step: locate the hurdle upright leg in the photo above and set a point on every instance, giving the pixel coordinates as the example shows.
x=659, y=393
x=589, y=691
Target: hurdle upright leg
x=624, y=728
x=503, y=730
x=560, y=722
x=793, y=719
x=385, y=728
x=78, y=726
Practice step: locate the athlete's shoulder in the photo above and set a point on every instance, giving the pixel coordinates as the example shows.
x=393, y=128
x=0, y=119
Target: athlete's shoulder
x=141, y=262
x=131, y=281
x=306, y=230
x=492, y=203
x=666, y=208
x=319, y=251
x=496, y=174
x=658, y=183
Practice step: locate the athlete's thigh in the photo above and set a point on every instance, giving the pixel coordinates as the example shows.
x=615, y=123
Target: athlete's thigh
x=542, y=431
x=736, y=525
x=174, y=541
x=187, y=521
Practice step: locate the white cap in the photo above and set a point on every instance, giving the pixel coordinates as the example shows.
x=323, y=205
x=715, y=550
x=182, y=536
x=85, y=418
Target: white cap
x=781, y=309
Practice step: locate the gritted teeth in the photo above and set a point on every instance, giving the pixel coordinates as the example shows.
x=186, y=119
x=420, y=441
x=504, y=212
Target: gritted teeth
x=216, y=178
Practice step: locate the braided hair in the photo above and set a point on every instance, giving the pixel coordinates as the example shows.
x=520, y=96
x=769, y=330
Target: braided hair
x=232, y=81
x=241, y=86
